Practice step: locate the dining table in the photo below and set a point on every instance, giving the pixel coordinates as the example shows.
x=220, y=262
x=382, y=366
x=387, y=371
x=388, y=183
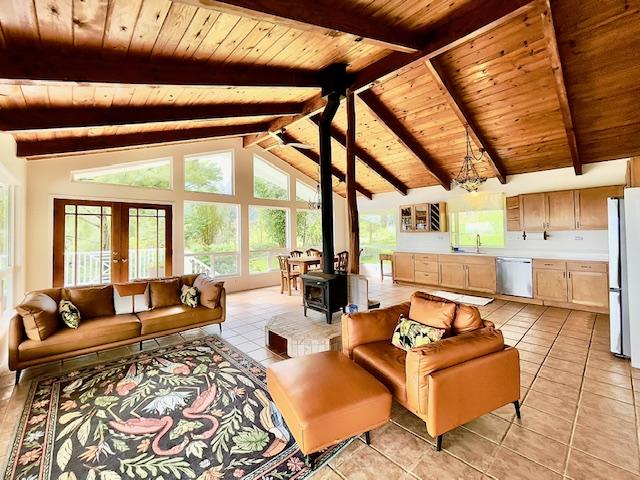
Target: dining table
x=304, y=262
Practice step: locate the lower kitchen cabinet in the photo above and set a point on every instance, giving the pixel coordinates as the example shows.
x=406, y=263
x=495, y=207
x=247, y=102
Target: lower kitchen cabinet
x=588, y=288
x=403, y=267
x=452, y=275
x=550, y=285
x=481, y=277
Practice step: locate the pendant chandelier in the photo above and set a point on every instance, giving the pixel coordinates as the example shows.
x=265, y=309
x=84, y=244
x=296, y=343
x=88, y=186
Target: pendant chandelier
x=468, y=177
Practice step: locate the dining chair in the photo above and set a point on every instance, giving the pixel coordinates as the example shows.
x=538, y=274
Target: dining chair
x=287, y=275
x=342, y=262
x=313, y=252
x=296, y=253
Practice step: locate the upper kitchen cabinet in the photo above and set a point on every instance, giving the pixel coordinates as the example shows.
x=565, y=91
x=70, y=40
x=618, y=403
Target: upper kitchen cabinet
x=591, y=207
x=407, y=218
x=424, y=217
x=421, y=217
x=513, y=214
x=533, y=212
x=560, y=210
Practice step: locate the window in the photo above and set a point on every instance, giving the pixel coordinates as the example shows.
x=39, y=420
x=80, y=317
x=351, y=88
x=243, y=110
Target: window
x=211, y=238
x=151, y=174
x=478, y=214
x=308, y=228
x=268, y=234
x=377, y=234
x=268, y=181
x=209, y=173
x=305, y=193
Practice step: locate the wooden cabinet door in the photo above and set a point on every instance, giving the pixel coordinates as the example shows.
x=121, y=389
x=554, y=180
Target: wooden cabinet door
x=481, y=278
x=452, y=275
x=534, y=212
x=421, y=217
x=513, y=214
x=403, y=267
x=591, y=207
x=407, y=219
x=589, y=288
x=561, y=211
x=550, y=285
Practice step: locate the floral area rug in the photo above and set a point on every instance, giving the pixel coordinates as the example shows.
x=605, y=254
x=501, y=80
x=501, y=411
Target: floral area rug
x=198, y=410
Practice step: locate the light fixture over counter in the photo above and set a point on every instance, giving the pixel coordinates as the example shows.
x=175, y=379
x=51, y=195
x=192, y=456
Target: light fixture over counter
x=468, y=177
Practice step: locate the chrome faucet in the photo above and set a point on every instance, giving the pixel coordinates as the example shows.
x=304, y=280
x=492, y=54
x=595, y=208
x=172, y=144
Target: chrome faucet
x=478, y=243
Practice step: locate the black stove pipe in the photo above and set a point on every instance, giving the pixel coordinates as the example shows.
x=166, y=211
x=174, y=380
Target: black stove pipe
x=326, y=190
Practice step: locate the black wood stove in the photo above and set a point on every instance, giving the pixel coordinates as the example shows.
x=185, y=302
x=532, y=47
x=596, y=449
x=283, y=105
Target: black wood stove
x=326, y=291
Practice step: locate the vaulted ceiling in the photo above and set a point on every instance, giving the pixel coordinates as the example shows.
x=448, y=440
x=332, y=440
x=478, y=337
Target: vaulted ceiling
x=539, y=85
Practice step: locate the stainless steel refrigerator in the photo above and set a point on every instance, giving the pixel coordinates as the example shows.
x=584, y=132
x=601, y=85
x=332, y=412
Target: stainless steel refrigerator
x=618, y=287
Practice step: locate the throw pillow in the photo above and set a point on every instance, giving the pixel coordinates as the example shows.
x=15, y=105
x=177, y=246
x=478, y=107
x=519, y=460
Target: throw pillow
x=467, y=319
x=210, y=291
x=131, y=297
x=39, y=314
x=438, y=314
x=165, y=293
x=91, y=301
x=69, y=313
x=410, y=334
x=189, y=296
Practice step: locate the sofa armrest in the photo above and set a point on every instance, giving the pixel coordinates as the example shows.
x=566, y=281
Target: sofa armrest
x=488, y=324
x=372, y=326
x=223, y=304
x=16, y=336
x=423, y=361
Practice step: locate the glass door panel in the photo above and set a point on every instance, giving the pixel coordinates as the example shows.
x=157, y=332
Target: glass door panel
x=148, y=236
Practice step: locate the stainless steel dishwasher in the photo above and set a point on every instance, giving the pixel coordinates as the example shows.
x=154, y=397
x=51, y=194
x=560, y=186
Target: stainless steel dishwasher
x=514, y=276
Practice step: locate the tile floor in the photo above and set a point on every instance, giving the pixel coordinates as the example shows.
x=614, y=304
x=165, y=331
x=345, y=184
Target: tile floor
x=579, y=413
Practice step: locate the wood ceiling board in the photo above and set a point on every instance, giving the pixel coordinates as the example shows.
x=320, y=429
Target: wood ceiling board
x=55, y=23
x=120, y=25
x=183, y=26
x=150, y=20
x=19, y=24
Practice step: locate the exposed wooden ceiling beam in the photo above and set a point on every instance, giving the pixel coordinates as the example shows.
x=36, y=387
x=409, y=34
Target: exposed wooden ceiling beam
x=561, y=89
x=12, y=120
x=366, y=158
x=318, y=17
x=451, y=33
x=51, y=69
x=489, y=15
x=315, y=158
x=388, y=119
x=67, y=145
x=449, y=92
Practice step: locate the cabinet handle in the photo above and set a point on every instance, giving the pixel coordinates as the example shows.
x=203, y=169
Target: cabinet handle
x=569, y=274
x=564, y=274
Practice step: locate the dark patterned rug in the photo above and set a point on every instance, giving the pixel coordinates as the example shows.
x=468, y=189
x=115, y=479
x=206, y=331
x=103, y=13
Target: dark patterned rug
x=197, y=410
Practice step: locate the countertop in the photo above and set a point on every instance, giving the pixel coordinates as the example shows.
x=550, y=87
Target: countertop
x=496, y=252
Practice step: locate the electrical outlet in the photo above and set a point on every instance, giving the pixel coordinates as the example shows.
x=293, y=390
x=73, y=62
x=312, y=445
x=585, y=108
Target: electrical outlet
x=578, y=237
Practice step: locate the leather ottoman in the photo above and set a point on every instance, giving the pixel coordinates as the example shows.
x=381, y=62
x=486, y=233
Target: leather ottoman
x=326, y=398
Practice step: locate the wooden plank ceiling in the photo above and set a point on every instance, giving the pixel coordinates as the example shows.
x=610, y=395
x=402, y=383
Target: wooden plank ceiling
x=539, y=85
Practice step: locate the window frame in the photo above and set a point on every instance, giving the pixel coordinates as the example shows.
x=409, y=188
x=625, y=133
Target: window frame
x=187, y=157
x=7, y=273
x=454, y=229
x=253, y=179
x=213, y=255
x=124, y=165
x=269, y=252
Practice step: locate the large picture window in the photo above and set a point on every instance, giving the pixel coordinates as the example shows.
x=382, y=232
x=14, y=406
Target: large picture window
x=305, y=193
x=377, y=234
x=480, y=214
x=209, y=173
x=150, y=173
x=268, y=181
x=268, y=234
x=211, y=238
x=308, y=229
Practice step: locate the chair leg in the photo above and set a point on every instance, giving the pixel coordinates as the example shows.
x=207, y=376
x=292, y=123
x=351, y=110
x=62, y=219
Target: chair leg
x=220, y=327
x=140, y=346
x=289, y=285
x=311, y=458
x=367, y=438
x=439, y=442
x=281, y=284
x=18, y=373
x=516, y=404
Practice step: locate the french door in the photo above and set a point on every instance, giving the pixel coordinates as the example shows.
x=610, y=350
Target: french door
x=98, y=242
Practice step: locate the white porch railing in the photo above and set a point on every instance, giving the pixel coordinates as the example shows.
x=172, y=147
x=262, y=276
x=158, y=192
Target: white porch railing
x=92, y=268
x=215, y=264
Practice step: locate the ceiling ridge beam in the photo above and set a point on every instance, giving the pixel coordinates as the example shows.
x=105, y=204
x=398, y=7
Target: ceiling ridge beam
x=287, y=138
x=54, y=69
x=56, y=118
x=70, y=145
x=456, y=104
x=386, y=117
x=549, y=30
x=317, y=18
x=366, y=158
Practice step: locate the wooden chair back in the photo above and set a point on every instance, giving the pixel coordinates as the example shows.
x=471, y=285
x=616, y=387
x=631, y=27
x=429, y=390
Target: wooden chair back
x=342, y=263
x=296, y=253
x=285, y=267
x=313, y=252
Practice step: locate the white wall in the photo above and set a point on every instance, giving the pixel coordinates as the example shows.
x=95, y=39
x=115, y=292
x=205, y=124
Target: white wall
x=51, y=178
x=588, y=243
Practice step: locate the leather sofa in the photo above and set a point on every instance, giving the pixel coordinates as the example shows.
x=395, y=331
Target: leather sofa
x=446, y=383
x=100, y=328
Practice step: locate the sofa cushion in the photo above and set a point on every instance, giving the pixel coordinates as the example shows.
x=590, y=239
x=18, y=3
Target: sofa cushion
x=210, y=291
x=39, y=314
x=467, y=319
x=131, y=297
x=438, y=314
x=165, y=293
x=91, y=301
x=92, y=332
x=176, y=316
x=386, y=363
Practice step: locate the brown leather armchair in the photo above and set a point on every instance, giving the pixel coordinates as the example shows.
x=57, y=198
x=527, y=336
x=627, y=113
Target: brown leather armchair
x=446, y=383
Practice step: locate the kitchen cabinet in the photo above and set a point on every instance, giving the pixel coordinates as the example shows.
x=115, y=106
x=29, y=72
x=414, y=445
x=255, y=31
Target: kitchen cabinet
x=421, y=217
x=633, y=173
x=513, y=214
x=560, y=210
x=588, y=284
x=452, y=275
x=403, y=267
x=424, y=217
x=468, y=272
x=481, y=277
x=406, y=218
x=550, y=285
x=591, y=207
x=533, y=212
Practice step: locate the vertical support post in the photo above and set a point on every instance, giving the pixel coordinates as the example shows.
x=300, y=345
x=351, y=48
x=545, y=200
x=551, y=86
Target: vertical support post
x=352, y=203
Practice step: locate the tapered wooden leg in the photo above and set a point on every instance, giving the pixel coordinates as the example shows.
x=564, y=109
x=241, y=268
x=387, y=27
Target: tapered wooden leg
x=439, y=442
x=18, y=372
x=367, y=438
x=289, y=285
x=220, y=327
x=516, y=404
x=281, y=284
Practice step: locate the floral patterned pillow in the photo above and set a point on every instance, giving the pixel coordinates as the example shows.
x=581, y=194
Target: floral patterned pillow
x=69, y=313
x=189, y=296
x=410, y=334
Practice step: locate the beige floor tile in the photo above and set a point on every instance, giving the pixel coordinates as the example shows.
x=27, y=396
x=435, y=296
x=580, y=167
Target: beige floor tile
x=510, y=465
x=397, y=443
x=434, y=465
x=365, y=463
x=533, y=348
x=565, y=365
x=326, y=473
x=560, y=376
x=620, y=453
x=608, y=377
x=607, y=406
x=545, y=424
x=531, y=357
x=529, y=367
x=555, y=389
x=543, y=450
x=489, y=426
x=473, y=449
x=549, y=404
x=586, y=467
x=606, y=390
